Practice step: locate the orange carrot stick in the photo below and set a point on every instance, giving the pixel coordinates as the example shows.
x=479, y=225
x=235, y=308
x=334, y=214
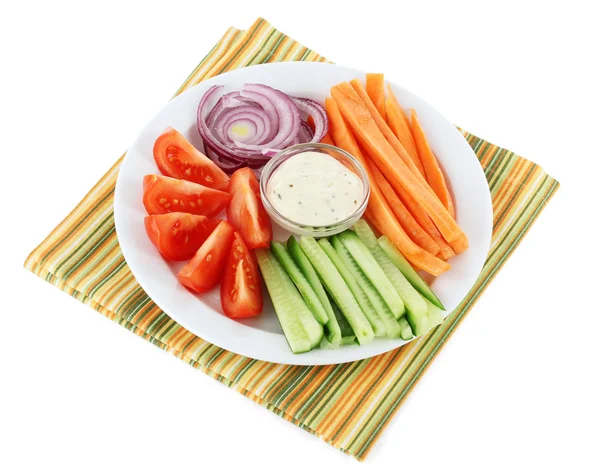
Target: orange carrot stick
x=403, y=115
x=327, y=139
x=407, y=221
x=378, y=209
x=376, y=91
x=387, y=132
x=421, y=217
x=400, y=126
x=433, y=172
x=460, y=244
x=384, y=156
x=425, y=222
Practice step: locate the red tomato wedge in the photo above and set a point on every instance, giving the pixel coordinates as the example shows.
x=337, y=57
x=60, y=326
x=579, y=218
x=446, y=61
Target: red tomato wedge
x=177, y=158
x=163, y=194
x=246, y=212
x=178, y=235
x=241, y=295
x=205, y=269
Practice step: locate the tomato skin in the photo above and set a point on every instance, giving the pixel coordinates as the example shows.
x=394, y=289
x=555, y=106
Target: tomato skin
x=205, y=269
x=169, y=232
x=163, y=194
x=241, y=294
x=246, y=211
x=177, y=158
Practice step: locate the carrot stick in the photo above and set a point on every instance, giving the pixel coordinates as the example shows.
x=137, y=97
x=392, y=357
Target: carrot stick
x=403, y=115
x=376, y=91
x=433, y=172
x=378, y=209
x=327, y=139
x=384, y=156
x=425, y=222
x=400, y=126
x=421, y=217
x=460, y=244
x=407, y=221
x=386, y=131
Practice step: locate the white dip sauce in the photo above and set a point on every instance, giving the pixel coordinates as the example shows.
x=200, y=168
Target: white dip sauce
x=314, y=189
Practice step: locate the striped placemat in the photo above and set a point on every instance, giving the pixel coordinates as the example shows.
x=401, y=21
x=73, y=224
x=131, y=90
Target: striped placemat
x=347, y=405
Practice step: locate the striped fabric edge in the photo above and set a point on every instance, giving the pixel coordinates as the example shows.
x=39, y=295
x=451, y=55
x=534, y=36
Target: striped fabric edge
x=310, y=397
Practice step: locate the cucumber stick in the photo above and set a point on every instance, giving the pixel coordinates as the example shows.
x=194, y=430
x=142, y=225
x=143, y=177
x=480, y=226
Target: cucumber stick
x=348, y=335
x=408, y=271
x=370, y=266
x=359, y=294
x=332, y=328
x=418, y=324
x=325, y=344
x=392, y=328
x=405, y=329
x=415, y=304
x=304, y=287
x=301, y=329
x=433, y=318
x=334, y=283
x=434, y=314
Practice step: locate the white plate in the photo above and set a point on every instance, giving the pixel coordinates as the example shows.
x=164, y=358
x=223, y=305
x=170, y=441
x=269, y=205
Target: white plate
x=262, y=337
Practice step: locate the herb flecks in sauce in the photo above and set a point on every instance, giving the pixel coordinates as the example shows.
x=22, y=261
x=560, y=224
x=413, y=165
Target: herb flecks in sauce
x=314, y=189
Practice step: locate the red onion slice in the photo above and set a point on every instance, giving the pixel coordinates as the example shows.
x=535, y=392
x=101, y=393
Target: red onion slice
x=248, y=127
x=314, y=109
x=305, y=135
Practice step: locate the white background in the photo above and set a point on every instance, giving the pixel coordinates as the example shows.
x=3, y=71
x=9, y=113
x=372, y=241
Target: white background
x=516, y=386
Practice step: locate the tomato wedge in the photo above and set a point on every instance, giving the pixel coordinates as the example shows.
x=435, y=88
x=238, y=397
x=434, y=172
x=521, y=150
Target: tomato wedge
x=246, y=212
x=177, y=158
x=177, y=235
x=163, y=194
x=241, y=295
x=204, y=270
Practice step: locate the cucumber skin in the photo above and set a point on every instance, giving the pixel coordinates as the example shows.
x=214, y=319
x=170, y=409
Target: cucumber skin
x=381, y=309
x=405, y=329
x=278, y=286
x=374, y=272
x=345, y=328
x=419, y=325
x=346, y=340
x=359, y=294
x=434, y=314
x=334, y=334
x=415, y=304
x=306, y=291
x=338, y=289
x=408, y=271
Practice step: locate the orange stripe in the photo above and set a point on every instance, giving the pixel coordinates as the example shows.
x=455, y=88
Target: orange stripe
x=255, y=29
x=67, y=222
x=507, y=191
x=365, y=378
x=68, y=225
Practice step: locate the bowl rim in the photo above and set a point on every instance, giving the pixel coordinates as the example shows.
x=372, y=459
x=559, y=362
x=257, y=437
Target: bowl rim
x=322, y=230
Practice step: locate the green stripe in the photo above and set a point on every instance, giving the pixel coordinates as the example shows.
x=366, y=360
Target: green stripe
x=514, y=196
x=103, y=279
x=366, y=393
x=250, y=37
x=91, y=212
x=267, y=47
x=203, y=61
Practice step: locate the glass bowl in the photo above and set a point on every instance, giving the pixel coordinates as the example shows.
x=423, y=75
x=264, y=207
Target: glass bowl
x=316, y=231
